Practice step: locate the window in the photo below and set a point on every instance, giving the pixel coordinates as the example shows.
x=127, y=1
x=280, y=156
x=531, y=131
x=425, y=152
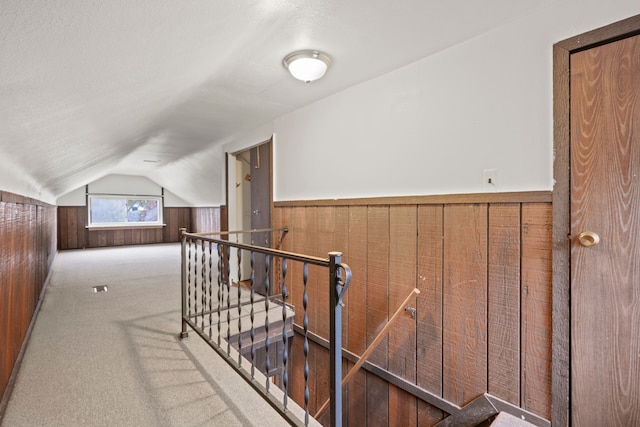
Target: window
x=122, y=211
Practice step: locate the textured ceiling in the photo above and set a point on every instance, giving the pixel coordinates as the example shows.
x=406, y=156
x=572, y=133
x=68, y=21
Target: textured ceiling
x=90, y=88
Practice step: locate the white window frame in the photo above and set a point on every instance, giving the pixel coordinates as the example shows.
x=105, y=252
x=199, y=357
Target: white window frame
x=157, y=223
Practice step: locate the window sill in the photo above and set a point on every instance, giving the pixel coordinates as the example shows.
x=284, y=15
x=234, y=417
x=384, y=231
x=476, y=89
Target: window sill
x=123, y=227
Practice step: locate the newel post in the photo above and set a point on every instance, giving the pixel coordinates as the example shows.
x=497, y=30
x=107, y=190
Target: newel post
x=335, y=338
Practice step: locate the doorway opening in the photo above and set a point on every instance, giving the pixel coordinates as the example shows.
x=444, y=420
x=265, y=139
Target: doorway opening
x=250, y=205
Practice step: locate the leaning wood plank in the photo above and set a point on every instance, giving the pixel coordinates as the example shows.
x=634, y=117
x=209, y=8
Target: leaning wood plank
x=372, y=346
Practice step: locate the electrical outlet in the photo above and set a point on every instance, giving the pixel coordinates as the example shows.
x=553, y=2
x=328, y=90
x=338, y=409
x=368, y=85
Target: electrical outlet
x=490, y=179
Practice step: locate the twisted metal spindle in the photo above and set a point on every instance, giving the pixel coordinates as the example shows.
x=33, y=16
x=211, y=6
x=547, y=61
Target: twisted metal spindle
x=210, y=288
x=267, y=342
x=239, y=251
x=220, y=293
x=203, y=270
x=252, y=332
x=305, y=326
x=195, y=281
x=189, y=279
x=227, y=276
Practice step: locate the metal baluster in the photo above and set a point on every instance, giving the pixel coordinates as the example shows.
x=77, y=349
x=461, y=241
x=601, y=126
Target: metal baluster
x=305, y=326
x=204, y=284
x=210, y=288
x=267, y=362
x=253, y=331
x=195, y=284
x=183, y=280
x=239, y=306
x=335, y=338
x=285, y=339
x=189, y=280
x=220, y=294
x=227, y=275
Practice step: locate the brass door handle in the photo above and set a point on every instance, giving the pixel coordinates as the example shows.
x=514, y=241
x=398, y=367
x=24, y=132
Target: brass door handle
x=588, y=238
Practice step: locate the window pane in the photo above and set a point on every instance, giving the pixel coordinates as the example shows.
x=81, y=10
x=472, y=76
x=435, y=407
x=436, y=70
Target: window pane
x=123, y=211
x=106, y=210
x=142, y=210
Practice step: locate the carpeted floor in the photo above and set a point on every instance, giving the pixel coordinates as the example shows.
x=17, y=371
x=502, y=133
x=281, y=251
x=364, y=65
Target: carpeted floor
x=114, y=358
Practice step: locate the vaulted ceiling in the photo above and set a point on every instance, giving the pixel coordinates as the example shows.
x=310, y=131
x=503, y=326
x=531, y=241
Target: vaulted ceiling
x=154, y=87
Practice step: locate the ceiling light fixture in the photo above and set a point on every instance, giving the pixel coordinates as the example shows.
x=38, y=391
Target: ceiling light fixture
x=307, y=65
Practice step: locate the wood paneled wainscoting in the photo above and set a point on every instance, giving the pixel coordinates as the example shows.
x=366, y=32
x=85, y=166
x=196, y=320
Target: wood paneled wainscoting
x=482, y=322
x=27, y=250
x=74, y=234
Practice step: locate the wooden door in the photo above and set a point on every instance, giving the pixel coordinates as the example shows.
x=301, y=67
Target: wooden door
x=260, y=208
x=605, y=200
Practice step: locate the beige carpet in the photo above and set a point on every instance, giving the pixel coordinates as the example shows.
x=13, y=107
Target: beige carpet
x=114, y=358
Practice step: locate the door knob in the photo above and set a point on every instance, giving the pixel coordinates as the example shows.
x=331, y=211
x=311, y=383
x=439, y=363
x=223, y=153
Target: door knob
x=588, y=238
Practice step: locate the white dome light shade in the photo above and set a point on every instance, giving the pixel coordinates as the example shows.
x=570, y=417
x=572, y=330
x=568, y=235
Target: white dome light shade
x=307, y=65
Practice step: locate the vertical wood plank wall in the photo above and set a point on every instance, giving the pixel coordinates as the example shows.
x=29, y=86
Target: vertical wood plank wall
x=27, y=250
x=73, y=234
x=483, y=322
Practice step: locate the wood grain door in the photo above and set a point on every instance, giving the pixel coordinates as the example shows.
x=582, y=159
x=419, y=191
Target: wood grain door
x=605, y=200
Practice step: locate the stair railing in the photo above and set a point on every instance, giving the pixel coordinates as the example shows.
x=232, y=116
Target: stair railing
x=247, y=328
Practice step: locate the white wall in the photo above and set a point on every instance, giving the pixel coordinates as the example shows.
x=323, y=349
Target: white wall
x=171, y=200
x=14, y=179
x=432, y=127
x=125, y=184
x=77, y=197
x=121, y=184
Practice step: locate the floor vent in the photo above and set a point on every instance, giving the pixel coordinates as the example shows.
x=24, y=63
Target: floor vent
x=101, y=288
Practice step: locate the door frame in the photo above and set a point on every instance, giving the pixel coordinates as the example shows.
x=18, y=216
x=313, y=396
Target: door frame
x=561, y=354
x=230, y=171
